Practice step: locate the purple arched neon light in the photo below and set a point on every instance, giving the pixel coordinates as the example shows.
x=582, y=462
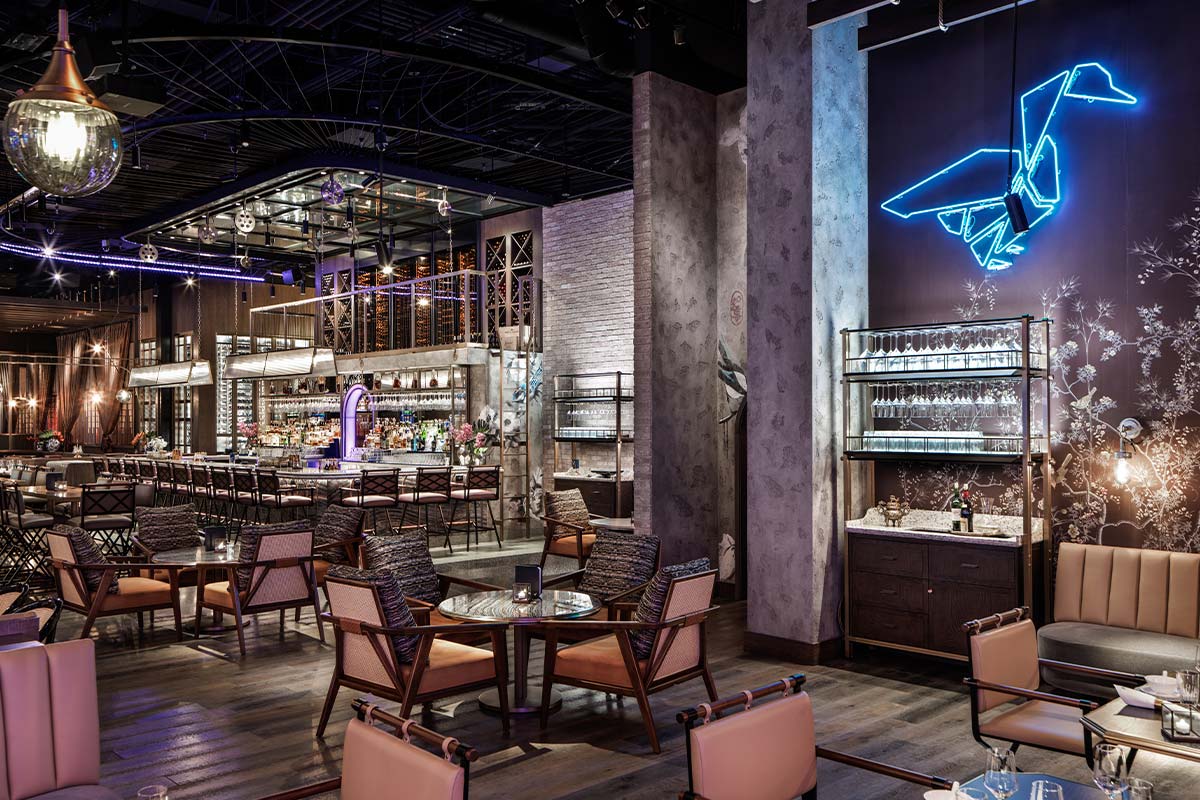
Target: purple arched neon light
x=350, y=418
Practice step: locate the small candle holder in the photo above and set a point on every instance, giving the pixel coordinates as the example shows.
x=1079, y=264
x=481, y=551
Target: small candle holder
x=522, y=593
x=215, y=536
x=1180, y=723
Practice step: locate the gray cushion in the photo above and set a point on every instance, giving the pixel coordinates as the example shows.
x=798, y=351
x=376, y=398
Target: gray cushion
x=169, y=528
x=654, y=600
x=619, y=561
x=405, y=555
x=337, y=524
x=79, y=793
x=86, y=551
x=396, y=613
x=1109, y=647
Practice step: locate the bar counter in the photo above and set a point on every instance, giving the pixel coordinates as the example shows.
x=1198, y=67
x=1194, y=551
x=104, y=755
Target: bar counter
x=931, y=526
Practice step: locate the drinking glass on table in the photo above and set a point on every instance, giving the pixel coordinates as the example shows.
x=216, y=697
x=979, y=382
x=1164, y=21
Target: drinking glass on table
x=1045, y=790
x=1140, y=789
x=155, y=792
x=1189, y=686
x=1109, y=772
x=1001, y=776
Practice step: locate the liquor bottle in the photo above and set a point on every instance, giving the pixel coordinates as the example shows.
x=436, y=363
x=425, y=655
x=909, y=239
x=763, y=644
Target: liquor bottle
x=968, y=512
x=956, y=498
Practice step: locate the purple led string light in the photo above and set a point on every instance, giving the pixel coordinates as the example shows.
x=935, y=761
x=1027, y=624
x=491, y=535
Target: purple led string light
x=125, y=262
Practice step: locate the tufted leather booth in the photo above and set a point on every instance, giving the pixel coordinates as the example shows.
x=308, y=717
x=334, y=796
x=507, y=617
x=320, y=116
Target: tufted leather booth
x=50, y=723
x=1124, y=609
x=1128, y=609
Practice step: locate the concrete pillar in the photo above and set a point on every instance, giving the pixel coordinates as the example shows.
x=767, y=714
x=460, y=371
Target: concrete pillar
x=675, y=315
x=806, y=277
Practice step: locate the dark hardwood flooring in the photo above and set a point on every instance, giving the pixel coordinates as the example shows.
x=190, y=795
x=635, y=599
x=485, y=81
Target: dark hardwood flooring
x=212, y=725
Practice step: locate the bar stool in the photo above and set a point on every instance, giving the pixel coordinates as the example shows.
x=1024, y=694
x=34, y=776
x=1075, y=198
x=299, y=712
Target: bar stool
x=164, y=485
x=26, y=531
x=107, y=509
x=181, y=483
x=201, y=490
x=431, y=488
x=480, y=487
x=148, y=476
x=245, y=495
x=35, y=475
x=377, y=489
x=273, y=496
x=220, y=492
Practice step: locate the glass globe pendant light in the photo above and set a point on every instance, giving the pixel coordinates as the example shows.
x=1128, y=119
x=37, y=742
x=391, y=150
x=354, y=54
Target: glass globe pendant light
x=57, y=134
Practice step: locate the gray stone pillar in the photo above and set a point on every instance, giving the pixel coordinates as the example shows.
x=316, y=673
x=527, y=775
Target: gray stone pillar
x=806, y=278
x=675, y=315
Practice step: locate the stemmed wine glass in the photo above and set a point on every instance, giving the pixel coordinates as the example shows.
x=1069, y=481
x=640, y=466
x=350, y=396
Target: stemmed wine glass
x=1109, y=773
x=1001, y=776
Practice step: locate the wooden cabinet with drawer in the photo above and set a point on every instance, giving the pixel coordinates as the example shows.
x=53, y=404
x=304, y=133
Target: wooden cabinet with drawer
x=915, y=595
x=600, y=496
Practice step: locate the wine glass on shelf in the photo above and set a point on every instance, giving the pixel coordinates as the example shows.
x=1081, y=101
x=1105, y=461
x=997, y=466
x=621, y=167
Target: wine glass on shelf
x=1109, y=773
x=1001, y=776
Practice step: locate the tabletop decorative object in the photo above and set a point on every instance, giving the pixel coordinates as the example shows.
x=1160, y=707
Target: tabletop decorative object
x=522, y=593
x=893, y=510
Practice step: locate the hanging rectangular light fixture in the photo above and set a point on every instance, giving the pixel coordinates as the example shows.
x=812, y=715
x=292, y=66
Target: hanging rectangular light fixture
x=168, y=376
x=304, y=362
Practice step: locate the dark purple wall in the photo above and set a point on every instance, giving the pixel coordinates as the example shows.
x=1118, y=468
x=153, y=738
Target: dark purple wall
x=1128, y=342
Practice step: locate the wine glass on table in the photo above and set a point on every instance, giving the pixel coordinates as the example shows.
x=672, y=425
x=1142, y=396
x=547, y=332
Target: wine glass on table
x=1001, y=776
x=1140, y=789
x=1109, y=773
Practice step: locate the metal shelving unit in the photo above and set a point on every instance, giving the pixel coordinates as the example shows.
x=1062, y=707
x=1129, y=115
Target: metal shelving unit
x=593, y=408
x=968, y=378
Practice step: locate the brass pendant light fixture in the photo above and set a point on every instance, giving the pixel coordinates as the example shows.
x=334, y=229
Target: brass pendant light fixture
x=58, y=135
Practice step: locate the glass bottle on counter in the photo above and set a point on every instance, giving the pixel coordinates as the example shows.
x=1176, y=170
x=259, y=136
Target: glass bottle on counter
x=956, y=499
x=967, y=512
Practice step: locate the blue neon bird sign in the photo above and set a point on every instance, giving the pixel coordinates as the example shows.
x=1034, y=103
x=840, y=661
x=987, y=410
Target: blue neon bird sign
x=964, y=196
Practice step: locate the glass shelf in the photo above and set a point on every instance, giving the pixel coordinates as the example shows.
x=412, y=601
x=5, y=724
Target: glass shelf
x=947, y=445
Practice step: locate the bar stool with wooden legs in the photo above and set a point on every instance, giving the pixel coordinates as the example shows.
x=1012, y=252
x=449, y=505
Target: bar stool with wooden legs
x=245, y=495
x=481, y=487
x=431, y=488
x=274, y=496
x=377, y=489
x=220, y=491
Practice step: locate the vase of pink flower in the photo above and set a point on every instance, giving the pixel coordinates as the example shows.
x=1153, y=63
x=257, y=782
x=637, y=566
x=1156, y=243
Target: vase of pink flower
x=471, y=444
x=249, y=432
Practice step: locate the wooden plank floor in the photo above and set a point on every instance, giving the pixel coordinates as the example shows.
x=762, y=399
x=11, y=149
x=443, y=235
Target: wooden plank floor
x=212, y=725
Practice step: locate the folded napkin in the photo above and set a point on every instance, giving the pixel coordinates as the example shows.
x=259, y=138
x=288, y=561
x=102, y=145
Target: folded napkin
x=1133, y=697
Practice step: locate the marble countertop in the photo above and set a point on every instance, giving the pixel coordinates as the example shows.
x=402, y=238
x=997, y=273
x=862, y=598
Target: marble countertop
x=589, y=476
x=935, y=526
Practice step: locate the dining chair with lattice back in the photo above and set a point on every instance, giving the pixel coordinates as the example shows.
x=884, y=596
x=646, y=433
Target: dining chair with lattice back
x=106, y=509
x=25, y=531
x=430, y=489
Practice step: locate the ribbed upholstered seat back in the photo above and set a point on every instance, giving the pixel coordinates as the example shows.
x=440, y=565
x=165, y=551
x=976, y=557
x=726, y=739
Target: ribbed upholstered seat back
x=1147, y=590
x=49, y=720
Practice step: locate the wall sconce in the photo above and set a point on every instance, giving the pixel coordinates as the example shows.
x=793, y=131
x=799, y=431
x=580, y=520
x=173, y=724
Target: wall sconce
x=1128, y=430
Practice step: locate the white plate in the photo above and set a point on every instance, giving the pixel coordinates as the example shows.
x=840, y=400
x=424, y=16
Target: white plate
x=1174, y=695
x=939, y=794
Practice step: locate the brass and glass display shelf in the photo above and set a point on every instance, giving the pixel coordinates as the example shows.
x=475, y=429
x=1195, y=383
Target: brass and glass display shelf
x=594, y=409
x=974, y=391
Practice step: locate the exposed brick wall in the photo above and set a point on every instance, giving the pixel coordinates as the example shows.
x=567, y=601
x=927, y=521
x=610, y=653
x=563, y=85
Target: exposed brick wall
x=587, y=304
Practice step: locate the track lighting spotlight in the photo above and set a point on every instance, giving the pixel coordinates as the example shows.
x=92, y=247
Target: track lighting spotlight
x=304, y=226
x=41, y=203
x=641, y=19
x=243, y=295
x=244, y=135
x=272, y=290
x=680, y=34
x=614, y=8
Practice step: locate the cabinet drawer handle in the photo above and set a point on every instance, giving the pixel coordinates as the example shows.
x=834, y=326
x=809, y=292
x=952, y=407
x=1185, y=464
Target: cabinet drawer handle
x=965, y=565
x=887, y=591
x=889, y=626
x=887, y=558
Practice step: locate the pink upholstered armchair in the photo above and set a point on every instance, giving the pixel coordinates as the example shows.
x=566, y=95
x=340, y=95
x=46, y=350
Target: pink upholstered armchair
x=51, y=722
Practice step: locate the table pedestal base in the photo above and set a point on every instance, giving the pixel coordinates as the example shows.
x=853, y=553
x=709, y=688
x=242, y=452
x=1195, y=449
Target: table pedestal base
x=489, y=701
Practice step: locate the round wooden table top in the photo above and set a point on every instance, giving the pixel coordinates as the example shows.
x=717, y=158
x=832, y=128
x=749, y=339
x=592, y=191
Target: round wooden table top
x=498, y=606
x=197, y=555
x=61, y=493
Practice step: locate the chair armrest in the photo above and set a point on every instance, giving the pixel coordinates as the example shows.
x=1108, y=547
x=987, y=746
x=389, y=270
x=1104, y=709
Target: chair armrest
x=1083, y=705
x=127, y=566
x=574, y=575
x=416, y=630
x=446, y=581
x=312, y=790
x=919, y=778
x=1095, y=672
x=619, y=597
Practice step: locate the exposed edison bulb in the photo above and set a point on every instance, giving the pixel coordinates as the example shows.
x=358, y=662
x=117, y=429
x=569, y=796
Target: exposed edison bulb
x=97, y=348
x=94, y=397
x=1122, y=473
x=124, y=395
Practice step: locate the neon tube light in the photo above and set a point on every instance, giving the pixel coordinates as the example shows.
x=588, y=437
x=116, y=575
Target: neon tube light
x=962, y=196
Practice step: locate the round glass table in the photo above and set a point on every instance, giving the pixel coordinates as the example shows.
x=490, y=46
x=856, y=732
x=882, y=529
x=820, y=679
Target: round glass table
x=617, y=524
x=223, y=559
x=498, y=606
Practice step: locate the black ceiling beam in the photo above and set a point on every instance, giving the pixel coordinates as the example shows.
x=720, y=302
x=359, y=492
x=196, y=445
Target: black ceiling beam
x=823, y=12
x=906, y=25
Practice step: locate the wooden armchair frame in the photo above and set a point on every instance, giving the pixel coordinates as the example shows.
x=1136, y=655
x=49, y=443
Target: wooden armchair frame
x=405, y=728
x=694, y=717
x=398, y=689
x=551, y=529
x=977, y=686
x=244, y=602
x=93, y=606
x=643, y=681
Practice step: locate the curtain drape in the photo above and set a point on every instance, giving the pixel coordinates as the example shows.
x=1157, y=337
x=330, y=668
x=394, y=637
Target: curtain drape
x=110, y=377
x=70, y=384
x=8, y=391
x=41, y=377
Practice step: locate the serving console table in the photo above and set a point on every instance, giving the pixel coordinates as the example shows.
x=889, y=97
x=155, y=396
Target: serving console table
x=972, y=392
